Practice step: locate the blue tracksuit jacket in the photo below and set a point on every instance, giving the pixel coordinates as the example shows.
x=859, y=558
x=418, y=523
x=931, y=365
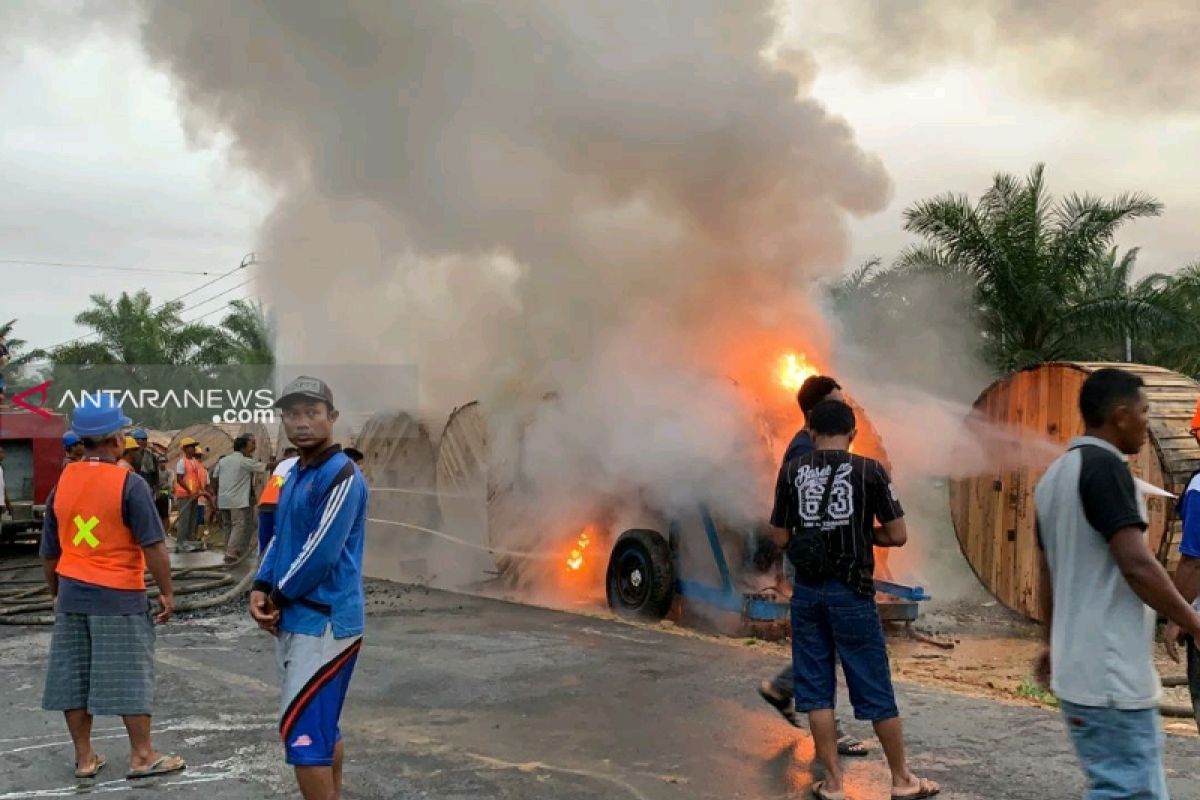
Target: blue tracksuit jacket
x=312, y=567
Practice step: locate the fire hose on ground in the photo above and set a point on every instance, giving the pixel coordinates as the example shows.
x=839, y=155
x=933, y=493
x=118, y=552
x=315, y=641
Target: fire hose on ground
x=17, y=604
x=27, y=601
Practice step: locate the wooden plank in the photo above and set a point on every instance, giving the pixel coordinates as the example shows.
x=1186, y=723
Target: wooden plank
x=1025, y=559
x=1006, y=544
x=993, y=500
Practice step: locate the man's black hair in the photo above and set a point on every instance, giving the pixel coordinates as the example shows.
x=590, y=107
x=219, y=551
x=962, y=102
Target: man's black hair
x=241, y=442
x=831, y=418
x=815, y=389
x=1104, y=390
x=92, y=442
x=354, y=454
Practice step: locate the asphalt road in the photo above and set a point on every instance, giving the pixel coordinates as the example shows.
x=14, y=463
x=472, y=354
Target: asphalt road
x=458, y=697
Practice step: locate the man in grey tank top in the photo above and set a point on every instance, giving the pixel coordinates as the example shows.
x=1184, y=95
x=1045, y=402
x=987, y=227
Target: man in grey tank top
x=1101, y=585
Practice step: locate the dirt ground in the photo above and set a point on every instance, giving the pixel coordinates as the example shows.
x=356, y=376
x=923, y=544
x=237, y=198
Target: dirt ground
x=992, y=654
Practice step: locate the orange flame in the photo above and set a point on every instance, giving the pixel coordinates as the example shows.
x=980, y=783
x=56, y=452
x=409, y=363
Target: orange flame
x=575, y=559
x=793, y=370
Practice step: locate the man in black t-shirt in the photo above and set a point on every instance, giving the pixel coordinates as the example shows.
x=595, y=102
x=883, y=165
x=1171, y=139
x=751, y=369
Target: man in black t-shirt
x=778, y=690
x=828, y=502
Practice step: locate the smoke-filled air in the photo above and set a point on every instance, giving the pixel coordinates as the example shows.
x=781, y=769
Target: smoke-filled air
x=619, y=207
x=1110, y=55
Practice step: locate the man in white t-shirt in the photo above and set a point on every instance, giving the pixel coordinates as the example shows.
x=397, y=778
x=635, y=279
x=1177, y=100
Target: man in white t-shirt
x=234, y=476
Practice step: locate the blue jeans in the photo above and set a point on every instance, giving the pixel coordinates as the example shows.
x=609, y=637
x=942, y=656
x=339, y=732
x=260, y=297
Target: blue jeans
x=1121, y=751
x=830, y=622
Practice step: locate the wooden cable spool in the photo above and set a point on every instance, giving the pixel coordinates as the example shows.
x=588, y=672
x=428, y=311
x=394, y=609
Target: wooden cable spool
x=471, y=489
x=399, y=465
x=215, y=440
x=994, y=514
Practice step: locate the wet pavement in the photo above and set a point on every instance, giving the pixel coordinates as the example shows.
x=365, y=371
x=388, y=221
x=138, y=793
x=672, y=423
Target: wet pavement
x=458, y=697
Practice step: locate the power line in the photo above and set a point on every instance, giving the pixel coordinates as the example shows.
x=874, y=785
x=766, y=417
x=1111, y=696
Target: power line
x=248, y=260
x=218, y=309
x=194, y=306
x=71, y=265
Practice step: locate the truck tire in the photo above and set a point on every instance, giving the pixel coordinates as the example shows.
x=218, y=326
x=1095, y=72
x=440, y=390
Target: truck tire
x=640, y=582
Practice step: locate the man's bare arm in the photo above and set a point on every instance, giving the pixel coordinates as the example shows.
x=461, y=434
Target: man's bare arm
x=1187, y=578
x=158, y=561
x=1149, y=579
x=1187, y=581
x=891, y=534
x=50, y=570
x=1045, y=596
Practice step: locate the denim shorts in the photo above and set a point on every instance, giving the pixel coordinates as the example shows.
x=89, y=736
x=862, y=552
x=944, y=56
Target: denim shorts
x=1121, y=751
x=832, y=622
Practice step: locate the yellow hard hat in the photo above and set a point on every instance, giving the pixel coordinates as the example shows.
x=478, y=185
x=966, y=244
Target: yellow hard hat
x=186, y=441
x=130, y=443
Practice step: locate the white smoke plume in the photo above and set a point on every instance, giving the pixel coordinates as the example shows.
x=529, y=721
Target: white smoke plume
x=614, y=202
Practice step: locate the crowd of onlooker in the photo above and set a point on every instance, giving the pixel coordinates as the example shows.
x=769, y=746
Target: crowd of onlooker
x=212, y=507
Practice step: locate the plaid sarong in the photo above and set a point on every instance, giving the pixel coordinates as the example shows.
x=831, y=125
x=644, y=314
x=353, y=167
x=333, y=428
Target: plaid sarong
x=102, y=663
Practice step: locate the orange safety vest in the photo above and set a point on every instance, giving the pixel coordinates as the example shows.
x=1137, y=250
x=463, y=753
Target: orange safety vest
x=97, y=546
x=192, y=478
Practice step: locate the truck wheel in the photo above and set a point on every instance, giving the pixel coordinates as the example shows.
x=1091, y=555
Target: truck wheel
x=640, y=582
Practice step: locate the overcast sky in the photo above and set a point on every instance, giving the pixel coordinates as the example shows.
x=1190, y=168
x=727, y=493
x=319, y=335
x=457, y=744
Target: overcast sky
x=97, y=169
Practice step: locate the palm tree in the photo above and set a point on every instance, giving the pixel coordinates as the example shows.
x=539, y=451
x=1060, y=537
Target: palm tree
x=1118, y=306
x=1043, y=289
x=133, y=331
x=246, y=336
x=140, y=346
x=1178, y=349
x=19, y=359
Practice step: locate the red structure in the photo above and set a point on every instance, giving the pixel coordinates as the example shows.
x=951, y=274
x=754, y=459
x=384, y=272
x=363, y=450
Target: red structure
x=33, y=460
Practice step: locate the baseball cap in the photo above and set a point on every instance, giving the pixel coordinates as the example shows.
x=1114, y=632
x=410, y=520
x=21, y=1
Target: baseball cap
x=308, y=388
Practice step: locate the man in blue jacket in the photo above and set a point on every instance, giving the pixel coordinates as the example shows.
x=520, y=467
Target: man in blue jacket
x=308, y=591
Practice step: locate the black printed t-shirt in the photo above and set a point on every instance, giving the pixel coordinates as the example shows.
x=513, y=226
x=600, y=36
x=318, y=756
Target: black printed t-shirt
x=838, y=545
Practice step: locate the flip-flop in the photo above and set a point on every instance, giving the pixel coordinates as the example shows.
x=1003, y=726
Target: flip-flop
x=818, y=790
x=97, y=765
x=784, y=707
x=164, y=766
x=847, y=745
x=925, y=788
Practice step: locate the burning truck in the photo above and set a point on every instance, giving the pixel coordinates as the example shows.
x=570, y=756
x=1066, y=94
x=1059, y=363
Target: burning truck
x=465, y=514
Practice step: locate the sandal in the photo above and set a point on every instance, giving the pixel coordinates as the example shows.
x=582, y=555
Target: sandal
x=818, y=790
x=925, y=788
x=847, y=745
x=767, y=692
x=164, y=766
x=97, y=765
